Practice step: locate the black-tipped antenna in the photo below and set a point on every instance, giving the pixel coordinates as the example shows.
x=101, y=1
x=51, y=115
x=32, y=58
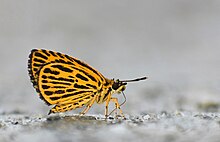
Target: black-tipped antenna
x=132, y=80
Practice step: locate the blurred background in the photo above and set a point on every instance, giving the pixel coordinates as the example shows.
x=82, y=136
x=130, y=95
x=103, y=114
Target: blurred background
x=174, y=42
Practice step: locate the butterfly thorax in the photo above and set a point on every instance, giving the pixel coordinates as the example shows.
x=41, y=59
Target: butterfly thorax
x=108, y=89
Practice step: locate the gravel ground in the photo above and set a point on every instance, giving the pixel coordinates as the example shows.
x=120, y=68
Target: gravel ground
x=162, y=127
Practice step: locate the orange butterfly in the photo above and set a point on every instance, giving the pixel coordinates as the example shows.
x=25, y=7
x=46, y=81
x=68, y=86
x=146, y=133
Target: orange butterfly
x=69, y=83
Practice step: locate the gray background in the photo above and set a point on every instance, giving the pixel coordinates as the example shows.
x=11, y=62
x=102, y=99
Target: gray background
x=174, y=42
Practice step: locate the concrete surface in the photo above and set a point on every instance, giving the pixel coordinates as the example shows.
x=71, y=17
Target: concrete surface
x=161, y=127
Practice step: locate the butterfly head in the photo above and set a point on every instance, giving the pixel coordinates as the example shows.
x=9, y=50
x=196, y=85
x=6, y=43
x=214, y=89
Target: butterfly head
x=119, y=86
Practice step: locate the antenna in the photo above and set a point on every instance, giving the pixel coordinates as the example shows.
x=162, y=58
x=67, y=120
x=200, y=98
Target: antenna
x=133, y=80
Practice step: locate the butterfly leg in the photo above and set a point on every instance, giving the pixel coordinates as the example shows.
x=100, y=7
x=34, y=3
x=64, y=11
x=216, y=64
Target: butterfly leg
x=88, y=106
x=117, y=106
x=106, y=106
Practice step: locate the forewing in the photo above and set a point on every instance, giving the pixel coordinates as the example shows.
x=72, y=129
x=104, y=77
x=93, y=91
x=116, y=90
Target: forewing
x=40, y=58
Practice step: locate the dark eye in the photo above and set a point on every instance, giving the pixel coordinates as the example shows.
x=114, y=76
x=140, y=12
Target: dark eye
x=115, y=86
x=123, y=88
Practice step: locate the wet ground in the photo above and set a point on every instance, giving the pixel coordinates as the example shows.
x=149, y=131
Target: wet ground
x=162, y=127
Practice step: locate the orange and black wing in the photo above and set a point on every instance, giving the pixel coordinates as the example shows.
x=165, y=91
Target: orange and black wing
x=61, y=79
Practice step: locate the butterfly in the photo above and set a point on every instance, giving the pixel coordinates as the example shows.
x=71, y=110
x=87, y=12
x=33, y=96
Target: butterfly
x=69, y=83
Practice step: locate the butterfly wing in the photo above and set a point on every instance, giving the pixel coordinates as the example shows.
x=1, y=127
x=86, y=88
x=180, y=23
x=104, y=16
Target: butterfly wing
x=40, y=57
x=61, y=79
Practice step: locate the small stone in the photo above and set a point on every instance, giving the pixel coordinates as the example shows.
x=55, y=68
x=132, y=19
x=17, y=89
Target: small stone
x=146, y=117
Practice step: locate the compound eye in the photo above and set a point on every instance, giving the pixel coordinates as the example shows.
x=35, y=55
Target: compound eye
x=123, y=89
x=115, y=86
